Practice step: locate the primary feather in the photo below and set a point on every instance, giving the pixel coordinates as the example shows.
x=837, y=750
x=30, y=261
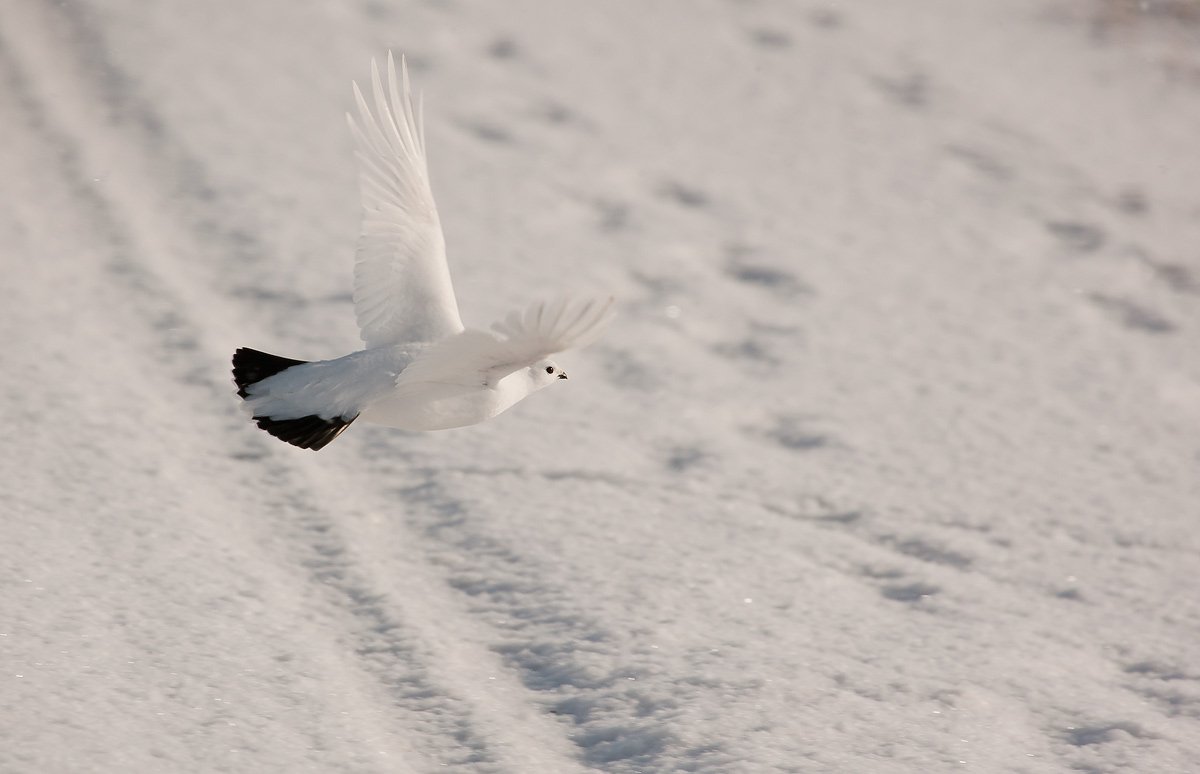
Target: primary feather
x=402, y=288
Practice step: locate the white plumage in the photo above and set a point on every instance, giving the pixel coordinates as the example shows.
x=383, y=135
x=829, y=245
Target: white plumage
x=420, y=370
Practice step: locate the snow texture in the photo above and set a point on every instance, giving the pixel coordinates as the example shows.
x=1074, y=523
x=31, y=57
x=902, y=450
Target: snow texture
x=889, y=463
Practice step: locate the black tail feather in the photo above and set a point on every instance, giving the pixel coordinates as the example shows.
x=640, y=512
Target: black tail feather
x=250, y=366
x=311, y=432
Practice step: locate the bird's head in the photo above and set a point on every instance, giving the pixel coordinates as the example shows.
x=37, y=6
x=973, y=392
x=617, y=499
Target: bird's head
x=544, y=372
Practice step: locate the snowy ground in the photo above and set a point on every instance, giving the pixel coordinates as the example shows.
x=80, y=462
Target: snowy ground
x=890, y=464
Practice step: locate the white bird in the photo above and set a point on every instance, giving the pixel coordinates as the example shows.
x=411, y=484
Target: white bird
x=420, y=370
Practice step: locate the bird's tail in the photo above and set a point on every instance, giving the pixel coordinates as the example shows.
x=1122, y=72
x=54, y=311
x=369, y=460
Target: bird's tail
x=311, y=432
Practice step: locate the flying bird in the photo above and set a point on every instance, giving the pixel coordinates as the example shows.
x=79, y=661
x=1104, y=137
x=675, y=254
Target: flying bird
x=420, y=368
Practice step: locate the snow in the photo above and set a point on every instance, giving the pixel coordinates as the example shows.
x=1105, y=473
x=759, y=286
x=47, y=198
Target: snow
x=889, y=463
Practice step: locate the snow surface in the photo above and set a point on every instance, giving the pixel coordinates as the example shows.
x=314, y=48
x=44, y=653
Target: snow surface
x=891, y=462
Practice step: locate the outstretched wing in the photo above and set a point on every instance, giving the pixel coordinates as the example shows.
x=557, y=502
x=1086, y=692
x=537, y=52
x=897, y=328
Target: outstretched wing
x=475, y=358
x=402, y=288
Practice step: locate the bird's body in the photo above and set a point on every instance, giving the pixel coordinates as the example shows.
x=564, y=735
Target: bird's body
x=420, y=370
x=363, y=383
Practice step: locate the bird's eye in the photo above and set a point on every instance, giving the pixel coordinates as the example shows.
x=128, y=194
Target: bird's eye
x=549, y=369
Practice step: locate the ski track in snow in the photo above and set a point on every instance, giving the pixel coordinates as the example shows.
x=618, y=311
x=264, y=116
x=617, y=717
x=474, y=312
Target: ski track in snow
x=744, y=588
x=386, y=640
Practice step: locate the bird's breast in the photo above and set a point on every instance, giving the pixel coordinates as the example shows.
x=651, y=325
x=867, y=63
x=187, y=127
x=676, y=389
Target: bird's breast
x=432, y=409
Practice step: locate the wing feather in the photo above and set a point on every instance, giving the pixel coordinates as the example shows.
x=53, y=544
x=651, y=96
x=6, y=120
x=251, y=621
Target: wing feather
x=402, y=287
x=476, y=358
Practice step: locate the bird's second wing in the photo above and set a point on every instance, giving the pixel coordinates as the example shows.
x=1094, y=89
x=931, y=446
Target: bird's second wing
x=402, y=288
x=475, y=358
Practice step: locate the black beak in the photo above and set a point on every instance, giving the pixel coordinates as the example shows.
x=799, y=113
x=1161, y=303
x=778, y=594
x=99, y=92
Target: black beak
x=563, y=375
